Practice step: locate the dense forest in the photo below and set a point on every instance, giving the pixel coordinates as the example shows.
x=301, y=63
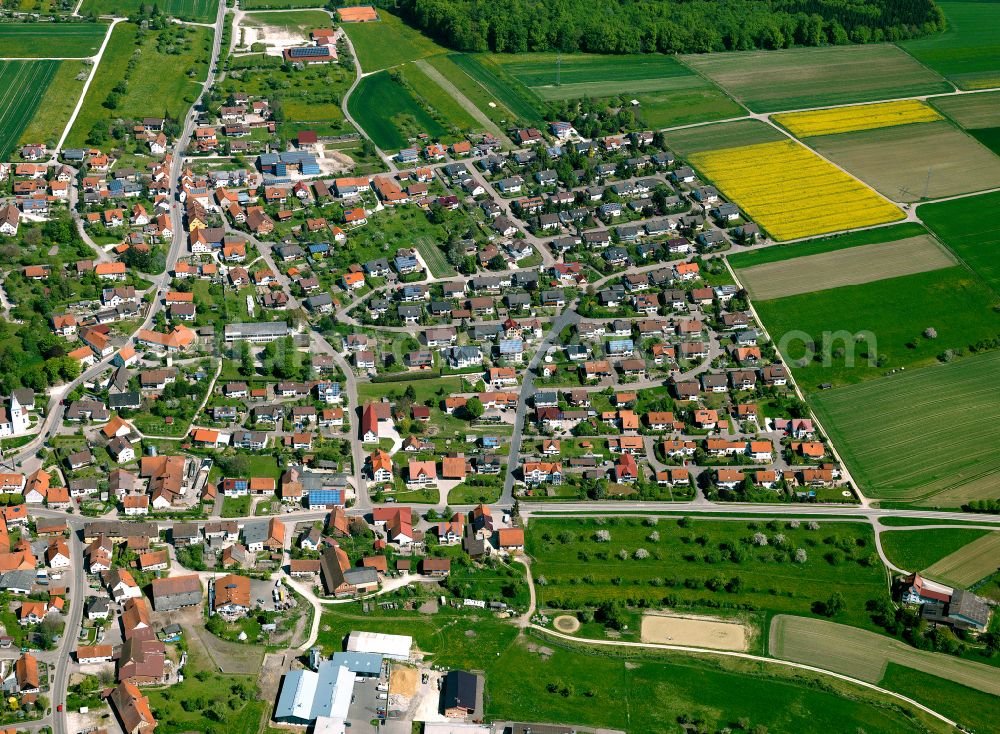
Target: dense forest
x=667, y=26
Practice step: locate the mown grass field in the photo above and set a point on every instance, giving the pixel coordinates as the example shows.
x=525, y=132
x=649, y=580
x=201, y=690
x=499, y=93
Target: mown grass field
x=752, y=258
x=969, y=227
x=857, y=117
x=22, y=88
x=579, y=571
x=853, y=327
x=862, y=654
x=53, y=113
x=389, y=113
x=924, y=437
x=789, y=79
x=159, y=78
x=301, y=21
x=278, y=4
x=915, y=550
x=721, y=136
x=791, y=192
x=969, y=564
x=64, y=40
x=852, y=266
x=388, y=42
x=914, y=162
x=202, y=11
x=971, y=708
x=641, y=693
x=968, y=52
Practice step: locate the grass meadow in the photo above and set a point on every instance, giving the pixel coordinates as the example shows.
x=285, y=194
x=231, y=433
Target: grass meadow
x=914, y=162
x=388, y=42
x=298, y=21
x=474, y=91
x=22, y=88
x=970, y=229
x=693, y=566
x=860, y=332
x=923, y=437
x=916, y=550
x=968, y=52
x=202, y=11
x=61, y=95
x=973, y=709
x=65, y=40
x=862, y=654
x=160, y=77
x=769, y=81
x=452, y=113
x=389, y=113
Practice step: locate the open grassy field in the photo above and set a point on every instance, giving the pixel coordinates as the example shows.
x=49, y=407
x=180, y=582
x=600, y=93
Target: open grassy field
x=57, y=104
x=914, y=162
x=202, y=11
x=972, y=709
x=498, y=84
x=791, y=192
x=969, y=564
x=277, y=4
x=857, y=117
x=971, y=111
x=752, y=258
x=722, y=135
x=474, y=91
x=789, y=79
x=975, y=238
x=22, y=87
x=864, y=654
x=900, y=435
x=691, y=566
x=389, y=113
x=388, y=42
x=851, y=266
x=968, y=52
x=641, y=693
x=159, y=75
x=859, y=332
x=915, y=550
x=451, y=112
x=298, y=21
x=63, y=40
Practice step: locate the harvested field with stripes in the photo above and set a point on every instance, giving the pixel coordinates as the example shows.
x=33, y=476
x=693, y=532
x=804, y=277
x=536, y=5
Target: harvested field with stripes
x=858, y=117
x=852, y=266
x=968, y=564
x=865, y=655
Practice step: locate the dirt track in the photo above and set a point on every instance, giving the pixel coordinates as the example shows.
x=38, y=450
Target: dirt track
x=696, y=631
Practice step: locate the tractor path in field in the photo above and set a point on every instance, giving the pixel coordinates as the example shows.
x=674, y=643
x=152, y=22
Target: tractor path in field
x=456, y=94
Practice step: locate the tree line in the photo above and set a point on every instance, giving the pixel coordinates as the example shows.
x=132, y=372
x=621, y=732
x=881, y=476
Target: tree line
x=669, y=26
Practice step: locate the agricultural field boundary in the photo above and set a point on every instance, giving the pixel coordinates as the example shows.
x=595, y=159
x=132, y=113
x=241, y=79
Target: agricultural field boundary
x=970, y=563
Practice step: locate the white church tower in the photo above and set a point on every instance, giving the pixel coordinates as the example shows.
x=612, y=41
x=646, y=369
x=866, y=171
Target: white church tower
x=18, y=417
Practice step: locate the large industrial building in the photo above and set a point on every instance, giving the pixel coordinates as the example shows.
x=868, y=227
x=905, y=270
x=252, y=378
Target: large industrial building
x=321, y=696
x=396, y=647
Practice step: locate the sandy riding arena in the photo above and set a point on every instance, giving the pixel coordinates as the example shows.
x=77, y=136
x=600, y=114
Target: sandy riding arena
x=566, y=623
x=695, y=631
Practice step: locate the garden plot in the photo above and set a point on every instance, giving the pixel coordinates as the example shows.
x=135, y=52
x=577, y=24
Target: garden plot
x=851, y=266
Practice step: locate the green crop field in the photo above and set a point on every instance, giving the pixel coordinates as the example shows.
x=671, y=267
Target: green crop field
x=511, y=93
x=899, y=434
x=862, y=654
x=915, y=550
x=972, y=709
x=859, y=332
x=202, y=11
x=389, y=113
x=691, y=566
x=388, y=42
x=473, y=90
x=434, y=257
x=22, y=87
x=970, y=228
x=914, y=162
x=451, y=112
x=160, y=77
x=62, y=40
x=769, y=81
x=971, y=111
x=57, y=104
x=969, y=564
x=968, y=52
x=820, y=245
x=721, y=135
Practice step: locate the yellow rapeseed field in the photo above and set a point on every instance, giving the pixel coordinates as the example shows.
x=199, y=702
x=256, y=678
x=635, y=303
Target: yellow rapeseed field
x=857, y=117
x=792, y=192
